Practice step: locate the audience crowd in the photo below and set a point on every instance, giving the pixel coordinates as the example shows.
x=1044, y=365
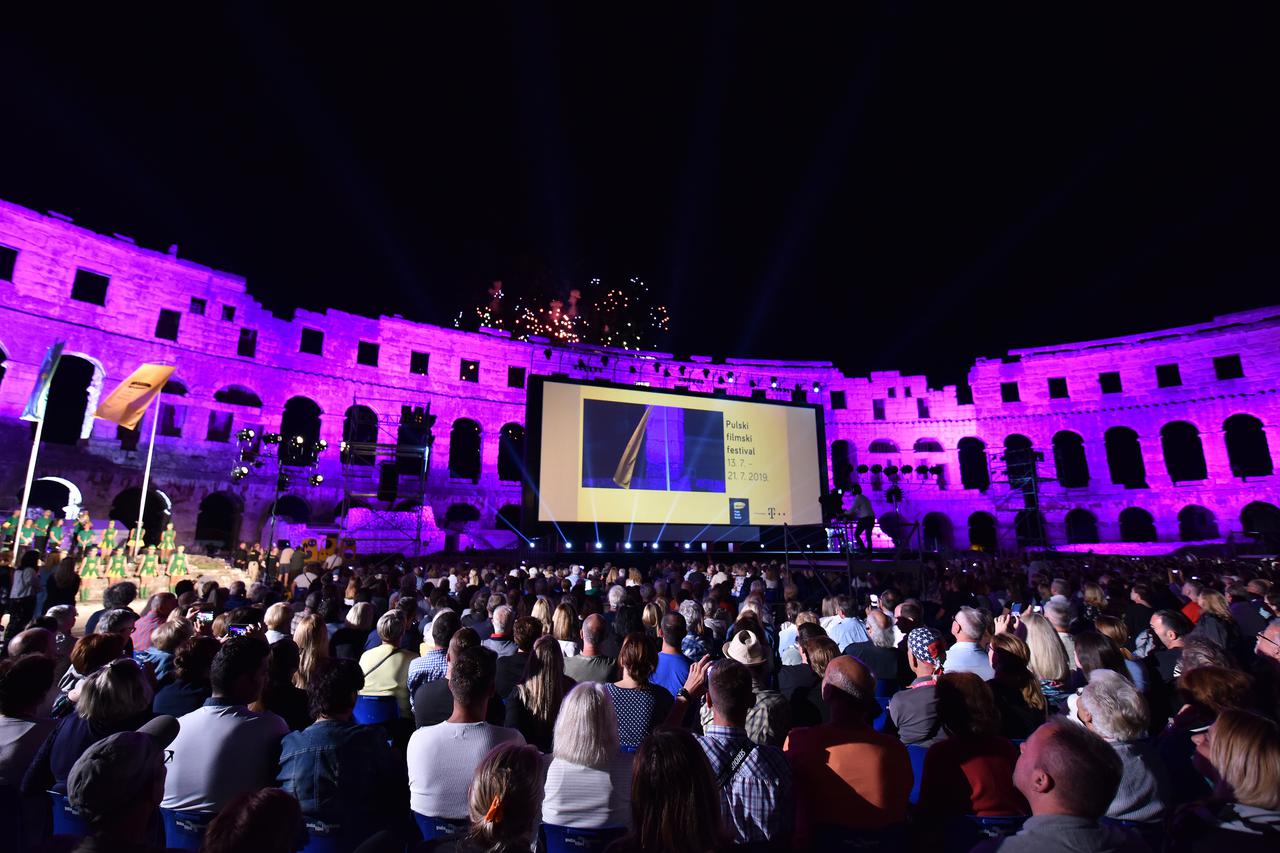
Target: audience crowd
x=1046, y=703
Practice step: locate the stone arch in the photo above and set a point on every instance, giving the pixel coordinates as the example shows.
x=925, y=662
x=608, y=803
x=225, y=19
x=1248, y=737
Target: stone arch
x=974, y=473
x=507, y=517
x=1082, y=527
x=1124, y=458
x=359, y=426
x=511, y=452
x=927, y=445
x=1247, y=446
x=4, y=357
x=459, y=514
x=292, y=508
x=218, y=519
x=1196, y=523
x=841, y=465
x=301, y=418
x=1019, y=460
x=55, y=493
x=1069, y=460
x=1183, y=452
x=1137, y=525
x=464, y=450
x=158, y=512
x=938, y=531
x=175, y=388
x=1261, y=521
x=982, y=531
x=882, y=445
x=237, y=395
x=73, y=398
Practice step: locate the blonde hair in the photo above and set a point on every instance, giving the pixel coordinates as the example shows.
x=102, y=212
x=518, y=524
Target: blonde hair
x=169, y=635
x=651, y=616
x=564, y=622
x=1114, y=627
x=543, y=687
x=806, y=616
x=1048, y=655
x=114, y=693
x=360, y=616
x=508, y=777
x=1245, y=750
x=278, y=617
x=1212, y=601
x=541, y=611
x=586, y=731
x=312, y=638
x=1094, y=595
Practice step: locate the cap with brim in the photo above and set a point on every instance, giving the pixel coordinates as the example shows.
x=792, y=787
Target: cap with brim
x=746, y=648
x=113, y=772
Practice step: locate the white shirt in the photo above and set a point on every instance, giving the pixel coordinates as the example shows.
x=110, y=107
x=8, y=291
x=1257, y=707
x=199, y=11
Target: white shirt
x=221, y=751
x=967, y=657
x=846, y=631
x=587, y=798
x=442, y=760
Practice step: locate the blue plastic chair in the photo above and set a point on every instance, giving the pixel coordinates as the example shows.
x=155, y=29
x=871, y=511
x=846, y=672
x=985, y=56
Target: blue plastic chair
x=916, y=753
x=185, y=830
x=323, y=837
x=438, y=827
x=969, y=830
x=844, y=839
x=1152, y=833
x=883, y=719
x=374, y=710
x=568, y=839
x=66, y=820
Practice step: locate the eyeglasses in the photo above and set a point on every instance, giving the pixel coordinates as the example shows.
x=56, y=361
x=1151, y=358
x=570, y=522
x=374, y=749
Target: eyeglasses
x=1262, y=635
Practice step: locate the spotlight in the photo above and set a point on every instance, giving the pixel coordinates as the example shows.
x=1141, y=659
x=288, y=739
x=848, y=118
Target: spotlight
x=568, y=546
x=342, y=446
x=245, y=435
x=688, y=545
x=655, y=546
x=316, y=479
x=626, y=545
x=773, y=383
x=299, y=440
x=817, y=387
x=599, y=545
x=322, y=445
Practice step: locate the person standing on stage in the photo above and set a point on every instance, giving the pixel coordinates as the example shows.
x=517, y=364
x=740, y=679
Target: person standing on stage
x=168, y=542
x=56, y=533
x=864, y=519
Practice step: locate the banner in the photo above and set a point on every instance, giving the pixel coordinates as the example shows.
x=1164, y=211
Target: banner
x=34, y=410
x=127, y=403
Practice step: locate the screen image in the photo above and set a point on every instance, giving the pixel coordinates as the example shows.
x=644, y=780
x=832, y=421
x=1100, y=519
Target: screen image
x=610, y=454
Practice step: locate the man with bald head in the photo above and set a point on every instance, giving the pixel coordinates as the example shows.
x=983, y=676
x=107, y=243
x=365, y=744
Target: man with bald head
x=1069, y=776
x=846, y=773
x=590, y=664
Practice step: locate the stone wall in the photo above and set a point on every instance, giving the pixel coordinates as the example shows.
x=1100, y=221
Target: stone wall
x=36, y=308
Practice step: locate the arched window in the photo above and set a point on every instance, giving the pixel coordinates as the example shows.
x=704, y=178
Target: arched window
x=459, y=514
x=927, y=445
x=464, y=450
x=61, y=496
x=1082, y=527
x=218, y=522
x=1028, y=526
x=841, y=465
x=1124, y=459
x=982, y=531
x=1137, y=525
x=511, y=452
x=1196, y=523
x=1020, y=461
x=1261, y=521
x=937, y=530
x=237, y=395
x=1183, y=452
x=882, y=445
x=507, y=518
x=359, y=427
x=1069, y=460
x=156, y=515
x=292, y=509
x=1246, y=446
x=301, y=418
x=974, y=473
x=73, y=396
x=175, y=387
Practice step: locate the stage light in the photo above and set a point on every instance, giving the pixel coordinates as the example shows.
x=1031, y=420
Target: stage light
x=245, y=435
x=322, y=445
x=568, y=546
x=687, y=545
x=626, y=545
x=316, y=479
x=299, y=440
x=773, y=383
x=599, y=545
x=342, y=447
x=817, y=387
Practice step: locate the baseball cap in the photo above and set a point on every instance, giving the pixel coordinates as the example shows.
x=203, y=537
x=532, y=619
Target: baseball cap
x=109, y=774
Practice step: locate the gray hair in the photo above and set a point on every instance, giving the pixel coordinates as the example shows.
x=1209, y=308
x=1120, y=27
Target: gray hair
x=973, y=622
x=114, y=693
x=1059, y=614
x=502, y=619
x=615, y=596
x=586, y=731
x=1118, y=711
x=1059, y=586
x=360, y=616
x=391, y=627
x=880, y=629
x=692, y=613
x=115, y=621
x=62, y=613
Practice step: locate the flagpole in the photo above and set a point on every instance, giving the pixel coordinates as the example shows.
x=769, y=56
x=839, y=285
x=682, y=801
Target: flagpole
x=146, y=482
x=26, y=490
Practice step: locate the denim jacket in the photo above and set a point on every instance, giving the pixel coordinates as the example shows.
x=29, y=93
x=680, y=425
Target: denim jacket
x=340, y=772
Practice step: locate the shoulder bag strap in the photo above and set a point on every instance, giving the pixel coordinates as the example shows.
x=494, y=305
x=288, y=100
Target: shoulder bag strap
x=731, y=769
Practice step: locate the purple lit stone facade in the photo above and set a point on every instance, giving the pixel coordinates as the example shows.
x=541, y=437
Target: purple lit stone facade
x=880, y=412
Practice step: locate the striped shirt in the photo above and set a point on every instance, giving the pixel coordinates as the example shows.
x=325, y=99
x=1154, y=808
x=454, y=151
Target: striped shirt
x=757, y=801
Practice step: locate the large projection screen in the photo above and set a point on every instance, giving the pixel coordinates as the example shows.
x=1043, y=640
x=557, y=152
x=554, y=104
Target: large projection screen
x=621, y=454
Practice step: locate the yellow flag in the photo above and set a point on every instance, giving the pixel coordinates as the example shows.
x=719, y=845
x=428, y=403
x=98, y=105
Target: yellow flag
x=127, y=404
x=627, y=464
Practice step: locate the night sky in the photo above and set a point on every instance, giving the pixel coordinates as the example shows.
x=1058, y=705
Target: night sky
x=897, y=188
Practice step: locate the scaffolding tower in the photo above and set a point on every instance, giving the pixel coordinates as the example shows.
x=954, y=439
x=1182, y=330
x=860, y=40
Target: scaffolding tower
x=1017, y=470
x=385, y=462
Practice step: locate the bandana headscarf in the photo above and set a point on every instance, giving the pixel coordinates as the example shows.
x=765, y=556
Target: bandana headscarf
x=926, y=645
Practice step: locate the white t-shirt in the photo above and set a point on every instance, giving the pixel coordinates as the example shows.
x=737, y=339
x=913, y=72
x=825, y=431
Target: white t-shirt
x=221, y=751
x=587, y=798
x=443, y=758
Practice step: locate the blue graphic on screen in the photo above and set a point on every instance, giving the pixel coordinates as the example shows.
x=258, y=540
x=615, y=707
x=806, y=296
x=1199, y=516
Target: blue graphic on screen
x=653, y=448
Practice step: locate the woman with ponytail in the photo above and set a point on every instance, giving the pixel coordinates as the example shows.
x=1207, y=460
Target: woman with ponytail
x=504, y=801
